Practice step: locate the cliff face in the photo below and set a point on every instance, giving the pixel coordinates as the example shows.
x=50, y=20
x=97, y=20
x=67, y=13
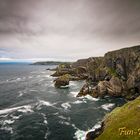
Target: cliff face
x=115, y=74
x=124, y=61
x=120, y=62
x=86, y=62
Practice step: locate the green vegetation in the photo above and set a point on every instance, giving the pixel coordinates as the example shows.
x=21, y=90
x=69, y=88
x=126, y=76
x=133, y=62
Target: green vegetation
x=65, y=65
x=112, y=72
x=127, y=118
x=65, y=77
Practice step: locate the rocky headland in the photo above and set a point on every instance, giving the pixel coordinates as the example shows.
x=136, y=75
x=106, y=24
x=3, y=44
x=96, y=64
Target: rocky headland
x=117, y=74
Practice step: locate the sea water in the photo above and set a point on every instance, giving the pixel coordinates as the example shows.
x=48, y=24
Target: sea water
x=31, y=108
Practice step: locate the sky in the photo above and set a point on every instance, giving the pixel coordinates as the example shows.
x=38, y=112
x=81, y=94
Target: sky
x=66, y=30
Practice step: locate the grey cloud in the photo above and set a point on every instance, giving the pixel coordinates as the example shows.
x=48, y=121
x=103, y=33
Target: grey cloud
x=67, y=28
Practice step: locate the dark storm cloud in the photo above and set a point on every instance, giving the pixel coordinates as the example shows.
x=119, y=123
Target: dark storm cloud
x=72, y=28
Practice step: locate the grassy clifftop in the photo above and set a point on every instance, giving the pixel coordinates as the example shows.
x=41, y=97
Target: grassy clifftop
x=123, y=123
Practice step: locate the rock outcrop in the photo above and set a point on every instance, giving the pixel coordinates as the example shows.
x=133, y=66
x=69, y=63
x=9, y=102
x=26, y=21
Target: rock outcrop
x=116, y=74
x=94, y=134
x=75, y=73
x=62, y=81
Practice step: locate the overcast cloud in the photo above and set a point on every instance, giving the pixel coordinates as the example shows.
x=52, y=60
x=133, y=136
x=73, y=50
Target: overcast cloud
x=66, y=29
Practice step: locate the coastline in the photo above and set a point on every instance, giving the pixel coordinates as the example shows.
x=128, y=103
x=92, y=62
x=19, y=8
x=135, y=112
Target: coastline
x=111, y=75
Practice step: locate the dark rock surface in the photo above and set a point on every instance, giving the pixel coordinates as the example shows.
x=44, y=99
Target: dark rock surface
x=116, y=74
x=94, y=134
x=62, y=81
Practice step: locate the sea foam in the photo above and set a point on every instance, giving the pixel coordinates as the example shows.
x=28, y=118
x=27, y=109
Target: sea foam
x=24, y=108
x=66, y=106
x=107, y=106
x=74, y=93
x=81, y=135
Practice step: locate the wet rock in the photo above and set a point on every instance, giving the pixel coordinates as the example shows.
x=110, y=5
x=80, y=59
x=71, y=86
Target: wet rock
x=84, y=91
x=113, y=87
x=93, y=134
x=62, y=81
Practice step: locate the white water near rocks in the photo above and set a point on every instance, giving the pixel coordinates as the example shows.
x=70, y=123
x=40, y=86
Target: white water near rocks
x=107, y=106
x=32, y=108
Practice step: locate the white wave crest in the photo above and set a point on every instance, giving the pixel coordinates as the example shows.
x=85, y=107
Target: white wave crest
x=89, y=98
x=20, y=94
x=7, y=129
x=45, y=118
x=62, y=117
x=25, y=108
x=73, y=93
x=64, y=122
x=8, y=122
x=107, y=106
x=66, y=106
x=79, y=102
x=81, y=135
x=45, y=103
x=15, y=117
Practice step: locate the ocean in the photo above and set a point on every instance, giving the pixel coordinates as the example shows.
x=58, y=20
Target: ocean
x=31, y=108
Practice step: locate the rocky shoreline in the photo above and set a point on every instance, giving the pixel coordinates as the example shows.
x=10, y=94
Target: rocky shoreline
x=116, y=74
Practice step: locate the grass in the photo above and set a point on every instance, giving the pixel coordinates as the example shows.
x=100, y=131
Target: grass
x=65, y=77
x=112, y=72
x=126, y=116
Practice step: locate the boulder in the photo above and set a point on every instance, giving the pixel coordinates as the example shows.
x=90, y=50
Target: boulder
x=94, y=134
x=115, y=87
x=84, y=91
x=62, y=81
x=102, y=88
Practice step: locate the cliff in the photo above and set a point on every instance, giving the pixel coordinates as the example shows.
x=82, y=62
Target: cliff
x=116, y=74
